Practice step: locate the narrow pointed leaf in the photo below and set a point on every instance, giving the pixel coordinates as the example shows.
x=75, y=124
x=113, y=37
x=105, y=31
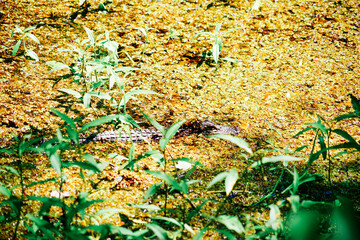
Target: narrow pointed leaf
x=322, y=146
x=355, y=104
x=32, y=54
x=302, y=131
x=217, y=179
x=70, y=92
x=158, y=231
x=55, y=162
x=16, y=48
x=169, y=133
x=64, y=117
x=216, y=52
x=152, y=190
x=237, y=141
x=281, y=158
x=5, y=191
x=230, y=180
x=153, y=122
x=32, y=37
x=345, y=135
x=146, y=206
x=232, y=223
x=128, y=95
x=90, y=35
x=319, y=125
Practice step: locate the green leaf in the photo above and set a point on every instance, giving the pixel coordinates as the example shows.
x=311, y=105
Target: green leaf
x=200, y=234
x=25, y=146
x=235, y=140
x=64, y=117
x=355, y=104
x=218, y=27
x=29, y=28
x=84, y=165
x=230, y=180
x=132, y=153
x=125, y=69
x=16, y=48
x=91, y=36
x=46, y=228
x=300, y=148
x=99, y=121
x=158, y=231
x=346, y=116
x=32, y=54
x=55, y=162
x=73, y=134
x=322, y=146
x=216, y=51
x=146, y=206
x=16, y=30
x=230, y=60
x=345, y=145
x=345, y=135
x=114, y=78
x=152, y=190
x=319, y=125
x=5, y=191
x=101, y=95
x=226, y=233
x=12, y=170
x=169, y=133
x=87, y=99
x=232, y=223
x=90, y=159
x=70, y=92
x=169, y=220
x=168, y=179
x=302, y=131
x=296, y=181
x=217, y=179
x=281, y=158
x=148, y=154
x=125, y=118
x=8, y=151
x=56, y=65
x=153, y=122
x=32, y=37
x=128, y=95
x=275, y=215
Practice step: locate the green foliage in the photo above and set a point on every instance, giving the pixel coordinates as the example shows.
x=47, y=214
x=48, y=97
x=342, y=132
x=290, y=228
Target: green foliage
x=355, y=105
x=96, y=70
x=323, y=138
x=218, y=43
x=25, y=33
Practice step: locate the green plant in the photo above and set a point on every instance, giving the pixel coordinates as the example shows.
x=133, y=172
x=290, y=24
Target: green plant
x=101, y=7
x=25, y=34
x=173, y=34
x=304, y=219
x=322, y=137
x=13, y=201
x=217, y=44
x=145, y=32
x=96, y=69
x=67, y=224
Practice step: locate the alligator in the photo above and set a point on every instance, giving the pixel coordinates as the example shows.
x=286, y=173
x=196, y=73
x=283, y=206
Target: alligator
x=206, y=127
